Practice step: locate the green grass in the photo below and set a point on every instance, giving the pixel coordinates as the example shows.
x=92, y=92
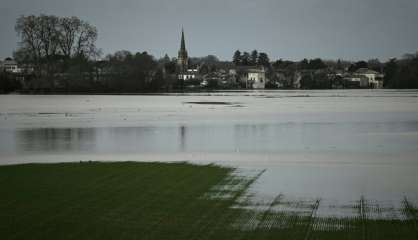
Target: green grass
x=164, y=201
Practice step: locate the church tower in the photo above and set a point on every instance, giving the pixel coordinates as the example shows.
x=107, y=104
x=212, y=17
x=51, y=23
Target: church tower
x=183, y=59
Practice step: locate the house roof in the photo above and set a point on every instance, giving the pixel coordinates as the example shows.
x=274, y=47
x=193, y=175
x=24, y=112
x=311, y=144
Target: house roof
x=250, y=68
x=366, y=71
x=9, y=61
x=355, y=77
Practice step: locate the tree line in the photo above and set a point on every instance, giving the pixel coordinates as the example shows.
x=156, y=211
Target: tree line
x=402, y=73
x=60, y=54
x=251, y=59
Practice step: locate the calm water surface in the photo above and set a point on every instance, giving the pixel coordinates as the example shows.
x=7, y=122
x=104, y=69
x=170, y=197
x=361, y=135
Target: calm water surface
x=333, y=145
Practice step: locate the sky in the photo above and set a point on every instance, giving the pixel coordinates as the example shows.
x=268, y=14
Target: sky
x=287, y=29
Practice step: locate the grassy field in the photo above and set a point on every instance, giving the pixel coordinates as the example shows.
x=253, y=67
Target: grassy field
x=168, y=201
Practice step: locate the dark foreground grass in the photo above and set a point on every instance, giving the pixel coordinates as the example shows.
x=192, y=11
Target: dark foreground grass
x=162, y=201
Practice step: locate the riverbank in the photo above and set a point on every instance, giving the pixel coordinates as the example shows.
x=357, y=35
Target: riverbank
x=128, y=200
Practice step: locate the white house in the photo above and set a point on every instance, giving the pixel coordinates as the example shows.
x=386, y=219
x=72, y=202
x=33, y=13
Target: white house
x=9, y=65
x=373, y=78
x=251, y=76
x=190, y=74
x=257, y=78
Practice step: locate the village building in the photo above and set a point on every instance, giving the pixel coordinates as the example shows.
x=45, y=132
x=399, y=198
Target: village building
x=10, y=65
x=361, y=78
x=190, y=74
x=356, y=81
x=370, y=78
x=250, y=76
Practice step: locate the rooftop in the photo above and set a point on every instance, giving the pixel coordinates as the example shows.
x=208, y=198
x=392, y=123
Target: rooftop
x=250, y=68
x=366, y=71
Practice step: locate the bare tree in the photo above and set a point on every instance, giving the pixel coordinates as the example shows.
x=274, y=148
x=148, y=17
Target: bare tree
x=69, y=28
x=49, y=35
x=49, y=43
x=30, y=45
x=85, y=45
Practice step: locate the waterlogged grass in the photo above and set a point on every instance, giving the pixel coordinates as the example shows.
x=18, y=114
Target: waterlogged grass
x=172, y=201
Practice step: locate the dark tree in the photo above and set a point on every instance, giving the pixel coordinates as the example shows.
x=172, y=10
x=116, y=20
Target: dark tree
x=356, y=66
x=204, y=69
x=132, y=72
x=263, y=59
x=210, y=59
x=236, y=59
x=402, y=73
x=8, y=82
x=157, y=81
x=407, y=76
x=339, y=65
x=170, y=67
x=390, y=70
x=376, y=65
x=245, y=59
x=282, y=64
x=304, y=64
x=317, y=64
x=254, y=57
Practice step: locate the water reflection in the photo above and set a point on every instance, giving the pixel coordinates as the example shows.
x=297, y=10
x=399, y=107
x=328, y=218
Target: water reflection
x=221, y=138
x=182, y=138
x=56, y=139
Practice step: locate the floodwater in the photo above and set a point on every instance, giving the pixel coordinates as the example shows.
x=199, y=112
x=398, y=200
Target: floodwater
x=331, y=145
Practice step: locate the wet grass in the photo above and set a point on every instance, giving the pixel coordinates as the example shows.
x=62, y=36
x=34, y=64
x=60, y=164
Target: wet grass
x=170, y=201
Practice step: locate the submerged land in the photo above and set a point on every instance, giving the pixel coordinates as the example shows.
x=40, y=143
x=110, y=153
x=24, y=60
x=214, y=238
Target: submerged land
x=131, y=200
x=285, y=164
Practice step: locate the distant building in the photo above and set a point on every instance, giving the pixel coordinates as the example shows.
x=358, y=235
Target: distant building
x=191, y=73
x=371, y=78
x=10, y=65
x=250, y=76
x=356, y=81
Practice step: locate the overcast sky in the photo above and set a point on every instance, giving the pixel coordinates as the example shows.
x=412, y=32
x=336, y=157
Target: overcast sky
x=288, y=29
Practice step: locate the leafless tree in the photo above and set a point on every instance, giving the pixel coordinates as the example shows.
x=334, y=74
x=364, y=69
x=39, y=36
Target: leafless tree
x=47, y=41
x=68, y=31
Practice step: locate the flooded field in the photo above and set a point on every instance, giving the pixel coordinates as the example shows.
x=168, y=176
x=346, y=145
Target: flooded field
x=328, y=149
x=139, y=200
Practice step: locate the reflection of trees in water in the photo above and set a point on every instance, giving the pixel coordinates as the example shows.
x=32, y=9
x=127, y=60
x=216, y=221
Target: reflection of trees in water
x=182, y=138
x=253, y=136
x=56, y=139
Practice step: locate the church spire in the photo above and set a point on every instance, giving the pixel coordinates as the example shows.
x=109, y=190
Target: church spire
x=183, y=44
x=183, y=58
